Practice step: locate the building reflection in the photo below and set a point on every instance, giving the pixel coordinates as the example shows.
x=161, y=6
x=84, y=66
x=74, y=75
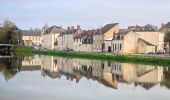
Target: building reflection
x=110, y=74
x=107, y=73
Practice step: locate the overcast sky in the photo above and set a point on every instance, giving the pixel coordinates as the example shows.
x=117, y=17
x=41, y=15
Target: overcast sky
x=87, y=13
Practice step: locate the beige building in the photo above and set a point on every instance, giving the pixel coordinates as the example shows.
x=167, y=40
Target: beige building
x=152, y=35
x=109, y=30
x=145, y=40
x=126, y=42
x=50, y=37
x=31, y=37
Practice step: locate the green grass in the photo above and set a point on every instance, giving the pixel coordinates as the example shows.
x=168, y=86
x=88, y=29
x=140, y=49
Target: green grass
x=98, y=56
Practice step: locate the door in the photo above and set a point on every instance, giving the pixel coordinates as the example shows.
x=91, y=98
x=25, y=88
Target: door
x=109, y=49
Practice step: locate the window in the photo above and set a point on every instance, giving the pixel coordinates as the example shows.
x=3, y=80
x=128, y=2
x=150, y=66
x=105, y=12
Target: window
x=113, y=46
x=120, y=46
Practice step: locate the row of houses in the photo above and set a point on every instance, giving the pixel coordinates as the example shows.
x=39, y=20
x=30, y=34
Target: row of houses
x=110, y=38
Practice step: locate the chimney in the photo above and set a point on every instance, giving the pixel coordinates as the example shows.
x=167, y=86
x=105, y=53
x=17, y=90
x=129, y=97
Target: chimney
x=114, y=33
x=89, y=32
x=78, y=27
x=68, y=28
x=72, y=27
x=93, y=31
x=162, y=25
x=123, y=36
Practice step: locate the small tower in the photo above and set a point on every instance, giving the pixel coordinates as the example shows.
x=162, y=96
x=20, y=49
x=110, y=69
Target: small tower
x=44, y=28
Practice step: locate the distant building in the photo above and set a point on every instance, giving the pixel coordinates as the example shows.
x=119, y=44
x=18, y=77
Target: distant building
x=50, y=36
x=165, y=27
x=134, y=28
x=31, y=37
x=89, y=41
x=65, y=39
x=98, y=41
x=83, y=41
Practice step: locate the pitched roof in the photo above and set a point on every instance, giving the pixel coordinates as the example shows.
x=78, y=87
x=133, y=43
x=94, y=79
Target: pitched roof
x=148, y=27
x=31, y=32
x=54, y=26
x=168, y=24
x=53, y=29
x=108, y=27
x=146, y=42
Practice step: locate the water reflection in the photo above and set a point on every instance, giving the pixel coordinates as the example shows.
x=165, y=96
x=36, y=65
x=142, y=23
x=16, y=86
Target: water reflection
x=110, y=74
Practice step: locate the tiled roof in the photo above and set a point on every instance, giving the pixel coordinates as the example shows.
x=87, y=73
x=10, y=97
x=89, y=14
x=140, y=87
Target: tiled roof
x=167, y=25
x=108, y=27
x=54, y=26
x=53, y=29
x=148, y=28
x=31, y=32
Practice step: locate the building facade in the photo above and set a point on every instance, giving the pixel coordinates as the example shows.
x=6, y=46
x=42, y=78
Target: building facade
x=50, y=37
x=152, y=35
x=31, y=37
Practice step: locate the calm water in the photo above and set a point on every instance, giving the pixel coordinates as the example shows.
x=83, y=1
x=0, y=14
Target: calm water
x=52, y=78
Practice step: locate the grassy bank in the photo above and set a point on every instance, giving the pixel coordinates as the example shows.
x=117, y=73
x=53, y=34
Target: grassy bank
x=99, y=56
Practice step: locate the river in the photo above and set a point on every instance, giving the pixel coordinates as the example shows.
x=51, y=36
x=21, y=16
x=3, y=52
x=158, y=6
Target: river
x=51, y=78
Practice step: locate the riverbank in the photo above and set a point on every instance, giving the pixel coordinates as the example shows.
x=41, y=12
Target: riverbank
x=98, y=56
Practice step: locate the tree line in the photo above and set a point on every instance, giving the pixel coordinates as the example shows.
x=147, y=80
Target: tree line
x=9, y=33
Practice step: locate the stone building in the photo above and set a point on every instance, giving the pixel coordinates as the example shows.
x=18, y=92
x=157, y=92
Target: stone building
x=98, y=41
x=50, y=36
x=66, y=38
x=31, y=37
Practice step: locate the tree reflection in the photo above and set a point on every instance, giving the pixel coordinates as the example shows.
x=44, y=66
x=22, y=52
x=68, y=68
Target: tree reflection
x=9, y=67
